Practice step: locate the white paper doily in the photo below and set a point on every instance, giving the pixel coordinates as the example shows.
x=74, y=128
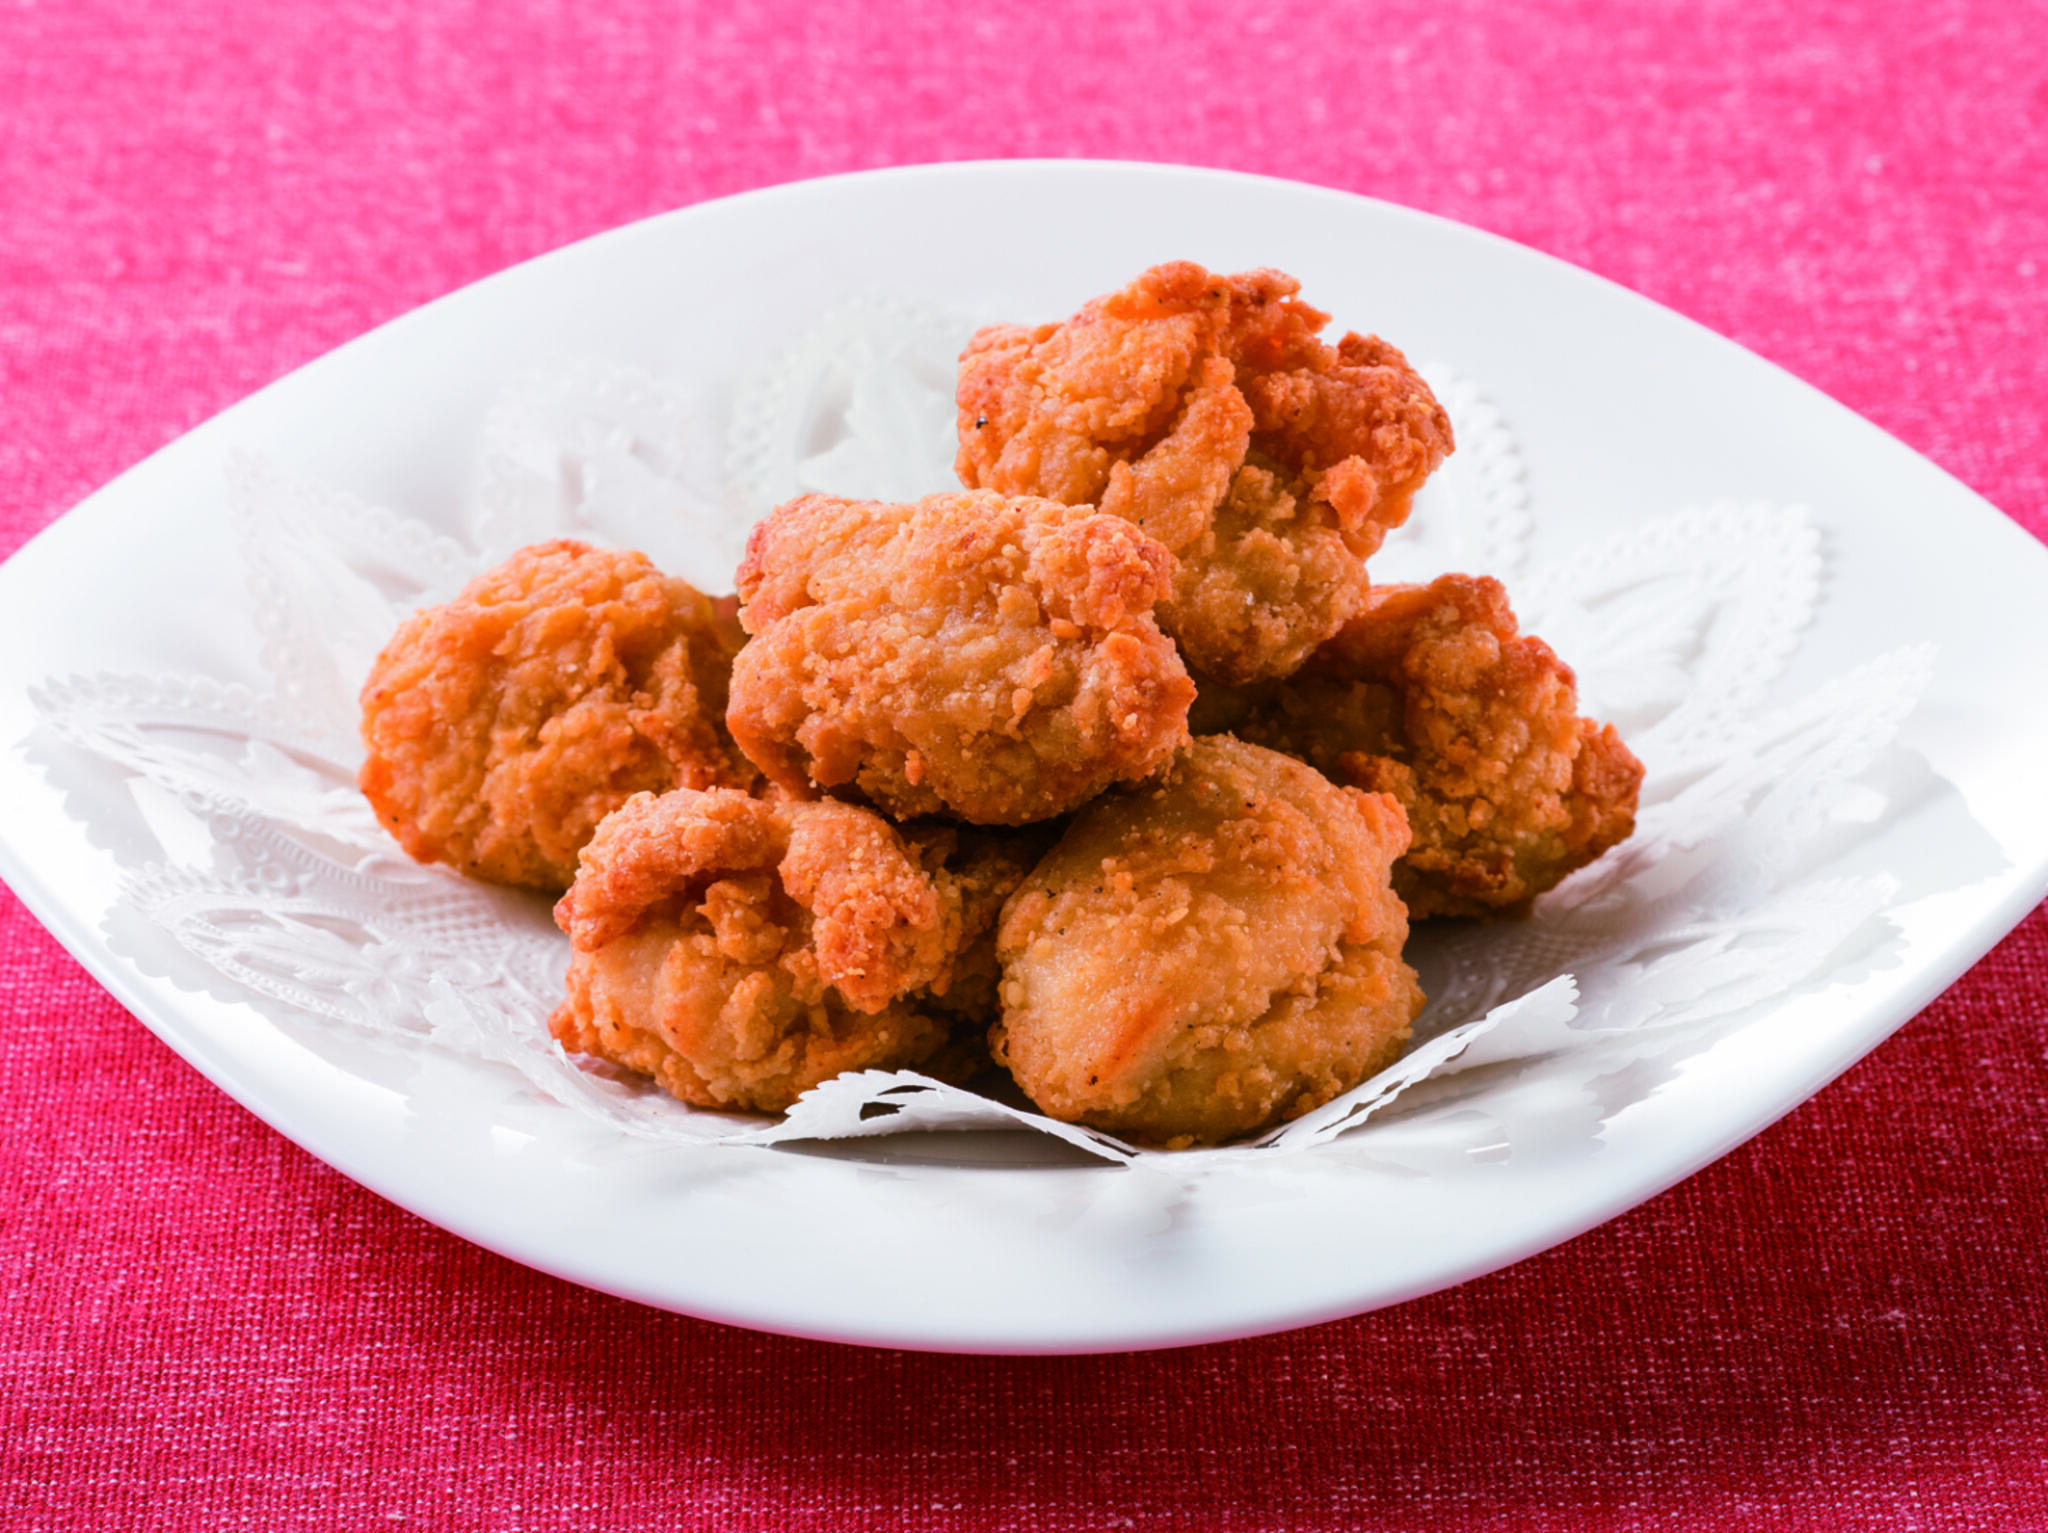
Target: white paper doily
x=272, y=871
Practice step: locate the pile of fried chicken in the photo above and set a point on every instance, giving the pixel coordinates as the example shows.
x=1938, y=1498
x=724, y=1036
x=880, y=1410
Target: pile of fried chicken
x=1112, y=769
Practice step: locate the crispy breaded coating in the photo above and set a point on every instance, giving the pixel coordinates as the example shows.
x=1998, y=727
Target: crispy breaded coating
x=1205, y=409
x=969, y=655
x=503, y=725
x=1211, y=955
x=741, y=951
x=1430, y=694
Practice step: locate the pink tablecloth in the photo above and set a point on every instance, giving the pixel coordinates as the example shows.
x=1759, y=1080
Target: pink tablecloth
x=1839, y=1326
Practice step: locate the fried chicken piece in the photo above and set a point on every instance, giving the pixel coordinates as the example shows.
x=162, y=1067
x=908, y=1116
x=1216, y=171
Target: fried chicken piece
x=741, y=951
x=970, y=655
x=503, y=725
x=1209, y=956
x=1205, y=409
x=1431, y=695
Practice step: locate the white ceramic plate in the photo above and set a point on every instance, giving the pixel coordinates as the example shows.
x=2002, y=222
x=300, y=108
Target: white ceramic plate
x=981, y=1242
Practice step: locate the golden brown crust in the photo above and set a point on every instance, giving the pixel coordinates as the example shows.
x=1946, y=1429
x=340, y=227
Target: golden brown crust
x=1206, y=957
x=989, y=658
x=504, y=725
x=1206, y=410
x=741, y=951
x=1432, y=695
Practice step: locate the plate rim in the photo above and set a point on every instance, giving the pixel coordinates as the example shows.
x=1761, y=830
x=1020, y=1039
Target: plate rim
x=2024, y=888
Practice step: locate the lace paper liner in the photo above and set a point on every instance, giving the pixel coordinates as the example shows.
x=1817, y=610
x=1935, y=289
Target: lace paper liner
x=274, y=873
x=1472, y=516
x=861, y=406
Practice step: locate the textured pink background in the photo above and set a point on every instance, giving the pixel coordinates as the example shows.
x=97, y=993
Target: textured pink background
x=1838, y=1326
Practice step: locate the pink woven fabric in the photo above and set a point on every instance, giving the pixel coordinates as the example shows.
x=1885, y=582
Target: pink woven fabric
x=1836, y=1327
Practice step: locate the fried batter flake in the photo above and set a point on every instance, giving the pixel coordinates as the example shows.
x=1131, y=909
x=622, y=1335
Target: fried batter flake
x=504, y=725
x=741, y=951
x=1430, y=694
x=1210, y=956
x=988, y=658
x=1206, y=410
